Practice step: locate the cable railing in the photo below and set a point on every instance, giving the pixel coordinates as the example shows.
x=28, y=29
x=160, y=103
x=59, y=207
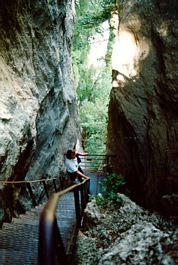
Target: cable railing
x=51, y=248
x=38, y=190
x=44, y=187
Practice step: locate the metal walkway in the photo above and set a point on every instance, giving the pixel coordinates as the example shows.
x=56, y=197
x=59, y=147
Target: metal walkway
x=19, y=239
x=95, y=179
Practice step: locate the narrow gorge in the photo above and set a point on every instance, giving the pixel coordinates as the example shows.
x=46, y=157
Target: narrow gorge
x=39, y=118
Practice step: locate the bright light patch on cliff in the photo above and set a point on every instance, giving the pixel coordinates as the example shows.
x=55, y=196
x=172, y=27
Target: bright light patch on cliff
x=128, y=50
x=124, y=53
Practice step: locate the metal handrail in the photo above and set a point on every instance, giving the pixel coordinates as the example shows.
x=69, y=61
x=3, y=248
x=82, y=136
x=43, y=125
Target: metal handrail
x=50, y=243
x=95, y=162
x=49, y=238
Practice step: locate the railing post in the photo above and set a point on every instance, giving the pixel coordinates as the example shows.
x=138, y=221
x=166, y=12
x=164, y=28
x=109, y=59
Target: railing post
x=54, y=183
x=87, y=191
x=84, y=191
x=82, y=194
x=8, y=205
x=31, y=194
x=61, y=183
x=45, y=188
x=77, y=205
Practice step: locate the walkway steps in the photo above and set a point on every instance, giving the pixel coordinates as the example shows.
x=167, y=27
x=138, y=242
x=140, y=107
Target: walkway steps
x=19, y=239
x=66, y=219
x=16, y=257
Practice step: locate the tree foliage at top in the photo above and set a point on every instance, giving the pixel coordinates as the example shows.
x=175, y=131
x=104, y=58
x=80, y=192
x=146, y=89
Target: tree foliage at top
x=92, y=83
x=98, y=12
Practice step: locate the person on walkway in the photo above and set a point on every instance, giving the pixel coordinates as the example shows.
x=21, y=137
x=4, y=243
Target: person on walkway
x=72, y=163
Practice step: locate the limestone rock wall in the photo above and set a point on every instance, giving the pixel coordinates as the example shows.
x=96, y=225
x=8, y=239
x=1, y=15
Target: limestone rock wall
x=38, y=109
x=125, y=235
x=143, y=109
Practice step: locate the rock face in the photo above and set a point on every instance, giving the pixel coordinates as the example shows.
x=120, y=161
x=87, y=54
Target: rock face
x=38, y=108
x=125, y=235
x=143, y=109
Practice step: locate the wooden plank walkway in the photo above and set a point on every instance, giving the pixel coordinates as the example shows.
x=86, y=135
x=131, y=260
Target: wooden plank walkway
x=19, y=239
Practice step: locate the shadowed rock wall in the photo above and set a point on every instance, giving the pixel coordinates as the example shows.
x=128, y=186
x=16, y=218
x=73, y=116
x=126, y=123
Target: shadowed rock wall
x=38, y=109
x=143, y=109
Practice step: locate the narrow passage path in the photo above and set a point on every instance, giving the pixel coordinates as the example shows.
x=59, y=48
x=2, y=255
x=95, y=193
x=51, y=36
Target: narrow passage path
x=19, y=239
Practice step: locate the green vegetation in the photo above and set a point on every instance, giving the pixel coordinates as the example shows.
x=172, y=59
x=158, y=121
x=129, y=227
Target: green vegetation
x=97, y=12
x=92, y=82
x=111, y=185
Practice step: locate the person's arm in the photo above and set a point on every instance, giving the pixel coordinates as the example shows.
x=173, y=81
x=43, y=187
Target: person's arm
x=82, y=154
x=82, y=175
